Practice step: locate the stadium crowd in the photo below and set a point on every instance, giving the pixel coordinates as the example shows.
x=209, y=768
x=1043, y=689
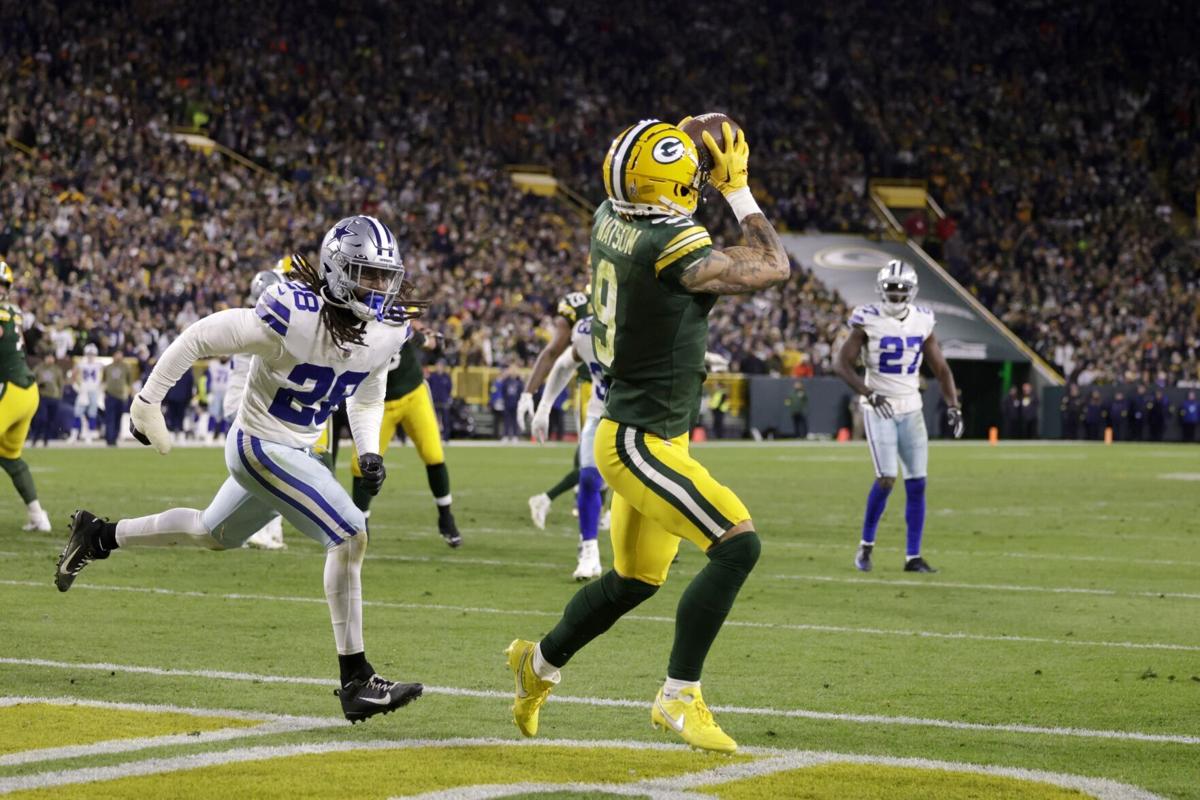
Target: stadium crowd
x=121, y=235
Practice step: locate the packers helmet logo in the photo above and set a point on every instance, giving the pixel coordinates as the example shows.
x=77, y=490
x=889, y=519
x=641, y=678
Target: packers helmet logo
x=668, y=150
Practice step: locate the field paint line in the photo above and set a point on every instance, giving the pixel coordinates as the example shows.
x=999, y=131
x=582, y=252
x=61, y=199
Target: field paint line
x=1032, y=555
x=782, y=626
x=270, y=724
x=984, y=587
x=675, y=788
x=486, y=694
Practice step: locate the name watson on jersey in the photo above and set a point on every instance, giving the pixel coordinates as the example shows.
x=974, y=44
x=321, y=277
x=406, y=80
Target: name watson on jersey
x=618, y=235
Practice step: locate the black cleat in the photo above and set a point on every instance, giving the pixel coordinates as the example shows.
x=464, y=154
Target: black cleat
x=862, y=559
x=375, y=695
x=83, y=547
x=449, y=530
x=918, y=564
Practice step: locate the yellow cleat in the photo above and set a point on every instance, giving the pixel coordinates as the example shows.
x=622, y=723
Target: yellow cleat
x=688, y=716
x=531, y=690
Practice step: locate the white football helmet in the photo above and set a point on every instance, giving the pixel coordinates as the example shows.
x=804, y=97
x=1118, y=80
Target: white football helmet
x=260, y=283
x=362, y=268
x=897, y=287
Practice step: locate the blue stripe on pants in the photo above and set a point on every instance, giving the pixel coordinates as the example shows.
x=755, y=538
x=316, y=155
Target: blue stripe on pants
x=281, y=495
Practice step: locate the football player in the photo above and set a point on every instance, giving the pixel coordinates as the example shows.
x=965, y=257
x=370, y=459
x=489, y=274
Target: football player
x=18, y=405
x=572, y=308
x=321, y=340
x=407, y=403
x=893, y=337
x=87, y=377
x=655, y=278
x=591, y=485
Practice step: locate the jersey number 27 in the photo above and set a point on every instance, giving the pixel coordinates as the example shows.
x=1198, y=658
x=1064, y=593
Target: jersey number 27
x=891, y=354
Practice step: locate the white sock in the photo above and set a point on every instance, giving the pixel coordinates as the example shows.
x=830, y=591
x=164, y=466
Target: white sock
x=672, y=687
x=442, y=501
x=35, y=508
x=543, y=668
x=343, y=592
x=910, y=558
x=173, y=526
x=867, y=544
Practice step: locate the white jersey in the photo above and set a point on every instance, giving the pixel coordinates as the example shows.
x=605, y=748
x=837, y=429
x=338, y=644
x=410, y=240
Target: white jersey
x=239, y=370
x=581, y=341
x=893, y=352
x=296, y=375
x=91, y=373
x=218, y=377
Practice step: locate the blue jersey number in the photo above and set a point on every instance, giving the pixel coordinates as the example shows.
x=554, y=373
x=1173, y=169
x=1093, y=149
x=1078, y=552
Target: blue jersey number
x=891, y=354
x=319, y=390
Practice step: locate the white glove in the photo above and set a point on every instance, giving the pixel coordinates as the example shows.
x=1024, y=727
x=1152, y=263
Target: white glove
x=715, y=362
x=541, y=426
x=147, y=425
x=524, y=408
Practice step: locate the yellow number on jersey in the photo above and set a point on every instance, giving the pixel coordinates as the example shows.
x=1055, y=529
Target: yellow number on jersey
x=604, y=311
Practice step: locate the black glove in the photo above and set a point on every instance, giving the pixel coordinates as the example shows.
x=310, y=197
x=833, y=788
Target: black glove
x=881, y=405
x=373, y=473
x=955, y=421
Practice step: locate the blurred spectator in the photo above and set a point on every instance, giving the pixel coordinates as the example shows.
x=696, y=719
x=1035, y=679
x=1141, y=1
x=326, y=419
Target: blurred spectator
x=1158, y=408
x=118, y=385
x=797, y=405
x=510, y=386
x=440, y=391
x=1010, y=414
x=1189, y=416
x=1118, y=416
x=718, y=407
x=1030, y=406
x=50, y=378
x=1095, y=415
x=1070, y=412
x=1139, y=405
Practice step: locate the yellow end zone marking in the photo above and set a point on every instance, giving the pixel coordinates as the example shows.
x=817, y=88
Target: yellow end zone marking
x=44, y=728
x=478, y=769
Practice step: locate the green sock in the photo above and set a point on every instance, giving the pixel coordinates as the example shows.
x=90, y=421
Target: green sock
x=568, y=482
x=359, y=494
x=439, y=479
x=22, y=479
x=706, y=602
x=591, y=612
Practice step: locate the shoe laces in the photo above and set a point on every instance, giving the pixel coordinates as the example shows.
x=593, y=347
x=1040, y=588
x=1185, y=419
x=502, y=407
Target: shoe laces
x=377, y=682
x=702, y=713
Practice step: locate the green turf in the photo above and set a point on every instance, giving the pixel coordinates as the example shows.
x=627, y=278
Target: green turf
x=1005, y=526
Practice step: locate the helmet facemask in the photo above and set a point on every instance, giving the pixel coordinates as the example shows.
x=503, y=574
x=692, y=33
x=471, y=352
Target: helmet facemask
x=897, y=294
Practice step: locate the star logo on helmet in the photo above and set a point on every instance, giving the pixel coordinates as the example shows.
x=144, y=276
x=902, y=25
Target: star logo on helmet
x=341, y=231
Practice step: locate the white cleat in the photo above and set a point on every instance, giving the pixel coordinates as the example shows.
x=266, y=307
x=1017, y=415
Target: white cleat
x=269, y=536
x=38, y=522
x=539, y=507
x=588, y=566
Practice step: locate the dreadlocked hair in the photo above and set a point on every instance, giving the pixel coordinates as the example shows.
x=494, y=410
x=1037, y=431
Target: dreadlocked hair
x=344, y=328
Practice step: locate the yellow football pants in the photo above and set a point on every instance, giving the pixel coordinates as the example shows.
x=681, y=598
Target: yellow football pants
x=413, y=412
x=660, y=495
x=17, y=408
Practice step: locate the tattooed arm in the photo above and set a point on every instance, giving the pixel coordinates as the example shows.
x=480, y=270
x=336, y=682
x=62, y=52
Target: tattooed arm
x=759, y=264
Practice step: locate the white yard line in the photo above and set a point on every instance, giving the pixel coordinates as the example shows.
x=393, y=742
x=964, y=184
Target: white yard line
x=771, y=761
x=781, y=626
x=828, y=716
x=268, y=724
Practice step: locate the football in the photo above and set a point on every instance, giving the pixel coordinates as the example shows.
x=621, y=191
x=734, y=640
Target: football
x=710, y=122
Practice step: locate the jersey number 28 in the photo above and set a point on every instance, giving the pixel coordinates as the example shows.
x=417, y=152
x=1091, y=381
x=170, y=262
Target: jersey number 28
x=319, y=390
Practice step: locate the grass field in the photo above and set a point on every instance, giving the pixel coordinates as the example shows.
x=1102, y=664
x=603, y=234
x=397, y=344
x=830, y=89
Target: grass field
x=1061, y=638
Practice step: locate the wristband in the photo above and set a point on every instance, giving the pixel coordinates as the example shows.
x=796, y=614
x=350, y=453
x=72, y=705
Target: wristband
x=742, y=203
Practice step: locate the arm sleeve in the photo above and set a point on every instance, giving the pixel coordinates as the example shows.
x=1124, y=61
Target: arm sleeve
x=225, y=333
x=557, y=380
x=364, y=409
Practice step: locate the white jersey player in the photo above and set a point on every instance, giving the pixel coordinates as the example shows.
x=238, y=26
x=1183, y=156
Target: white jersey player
x=89, y=380
x=321, y=340
x=893, y=337
x=591, y=485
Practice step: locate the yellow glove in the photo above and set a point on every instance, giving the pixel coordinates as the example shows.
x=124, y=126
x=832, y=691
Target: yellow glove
x=730, y=170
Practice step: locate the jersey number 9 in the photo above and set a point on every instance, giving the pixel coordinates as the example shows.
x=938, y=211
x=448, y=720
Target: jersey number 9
x=604, y=312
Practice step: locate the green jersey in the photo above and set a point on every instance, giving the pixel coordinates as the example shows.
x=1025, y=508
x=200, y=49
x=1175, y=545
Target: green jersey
x=13, y=368
x=404, y=373
x=649, y=333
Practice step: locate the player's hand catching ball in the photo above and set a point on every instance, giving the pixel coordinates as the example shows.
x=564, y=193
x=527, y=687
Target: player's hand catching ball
x=954, y=419
x=881, y=405
x=373, y=473
x=731, y=169
x=147, y=425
